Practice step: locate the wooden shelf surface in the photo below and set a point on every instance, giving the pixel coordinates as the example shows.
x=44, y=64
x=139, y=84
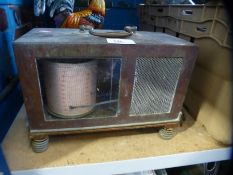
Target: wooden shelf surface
x=104, y=147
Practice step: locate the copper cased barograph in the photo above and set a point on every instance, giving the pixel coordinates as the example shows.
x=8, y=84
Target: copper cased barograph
x=140, y=82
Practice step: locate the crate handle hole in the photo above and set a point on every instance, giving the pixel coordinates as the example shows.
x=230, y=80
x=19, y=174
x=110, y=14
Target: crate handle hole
x=160, y=10
x=187, y=12
x=201, y=29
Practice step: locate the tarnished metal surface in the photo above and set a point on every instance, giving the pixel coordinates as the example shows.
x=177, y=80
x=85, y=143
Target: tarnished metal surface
x=64, y=36
x=63, y=44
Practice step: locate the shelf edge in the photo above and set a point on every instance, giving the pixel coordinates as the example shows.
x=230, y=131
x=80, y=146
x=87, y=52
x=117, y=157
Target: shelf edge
x=136, y=165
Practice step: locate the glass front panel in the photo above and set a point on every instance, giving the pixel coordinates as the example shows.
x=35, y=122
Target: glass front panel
x=79, y=88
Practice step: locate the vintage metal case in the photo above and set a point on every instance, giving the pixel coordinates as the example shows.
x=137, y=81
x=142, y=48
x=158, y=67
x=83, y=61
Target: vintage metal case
x=140, y=81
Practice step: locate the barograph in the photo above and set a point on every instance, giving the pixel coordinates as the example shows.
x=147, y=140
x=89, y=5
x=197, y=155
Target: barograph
x=77, y=81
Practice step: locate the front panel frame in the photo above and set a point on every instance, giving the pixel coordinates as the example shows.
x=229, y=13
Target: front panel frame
x=27, y=63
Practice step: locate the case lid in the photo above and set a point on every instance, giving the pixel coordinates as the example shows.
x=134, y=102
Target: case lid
x=57, y=36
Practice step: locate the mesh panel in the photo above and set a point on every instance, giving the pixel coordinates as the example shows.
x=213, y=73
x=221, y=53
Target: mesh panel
x=154, y=85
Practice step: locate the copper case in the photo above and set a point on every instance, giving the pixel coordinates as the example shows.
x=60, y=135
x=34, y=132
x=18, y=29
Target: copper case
x=72, y=44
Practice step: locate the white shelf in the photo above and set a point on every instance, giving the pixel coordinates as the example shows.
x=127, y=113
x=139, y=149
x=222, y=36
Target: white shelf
x=135, y=165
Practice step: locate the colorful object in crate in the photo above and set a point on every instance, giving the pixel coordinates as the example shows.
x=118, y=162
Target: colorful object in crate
x=62, y=11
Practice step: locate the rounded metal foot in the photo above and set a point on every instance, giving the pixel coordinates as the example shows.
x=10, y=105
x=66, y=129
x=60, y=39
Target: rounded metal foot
x=166, y=133
x=40, y=144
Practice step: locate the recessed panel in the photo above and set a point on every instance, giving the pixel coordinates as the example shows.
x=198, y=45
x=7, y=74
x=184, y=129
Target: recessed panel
x=154, y=85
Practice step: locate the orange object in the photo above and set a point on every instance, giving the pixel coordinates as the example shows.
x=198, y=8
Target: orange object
x=74, y=20
x=98, y=6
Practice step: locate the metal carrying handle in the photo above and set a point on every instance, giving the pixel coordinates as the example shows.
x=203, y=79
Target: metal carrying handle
x=82, y=28
x=128, y=31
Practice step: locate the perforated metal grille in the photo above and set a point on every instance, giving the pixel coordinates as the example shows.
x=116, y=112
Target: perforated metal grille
x=155, y=85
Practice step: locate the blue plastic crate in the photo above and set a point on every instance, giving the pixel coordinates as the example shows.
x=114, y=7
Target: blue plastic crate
x=9, y=109
x=7, y=59
x=10, y=105
x=126, y=3
x=118, y=18
x=15, y=2
x=2, y=80
x=121, y=14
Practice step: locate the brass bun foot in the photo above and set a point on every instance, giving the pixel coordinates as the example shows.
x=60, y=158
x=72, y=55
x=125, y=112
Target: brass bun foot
x=40, y=144
x=166, y=133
